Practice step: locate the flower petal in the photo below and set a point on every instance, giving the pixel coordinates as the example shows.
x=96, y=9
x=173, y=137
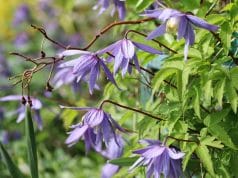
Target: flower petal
x=157, y=32
x=127, y=48
x=72, y=52
x=182, y=27
x=147, y=48
x=202, y=23
x=76, y=134
x=108, y=74
x=174, y=155
x=93, y=77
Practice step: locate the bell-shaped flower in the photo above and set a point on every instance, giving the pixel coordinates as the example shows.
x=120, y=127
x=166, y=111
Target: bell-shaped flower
x=124, y=53
x=159, y=159
x=97, y=127
x=36, y=106
x=173, y=20
x=119, y=5
x=86, y=67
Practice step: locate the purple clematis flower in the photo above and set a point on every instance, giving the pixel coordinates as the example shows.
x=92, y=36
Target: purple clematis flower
x=124, y=52
x=119, y=5
x=66, y=76
x=36, y=106
x=87, y=67
x=159, y=159
x=182, y=22
x=96, y=127
x=114, y=150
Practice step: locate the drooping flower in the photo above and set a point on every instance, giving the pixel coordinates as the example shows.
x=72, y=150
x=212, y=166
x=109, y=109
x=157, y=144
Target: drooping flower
x=173, y=20
x=124, y=53
x=97, y=127
x=87, y=67
x=119, y=5
x=159, y=159
x=114, y=150
x=65, y=76
x=36, y=106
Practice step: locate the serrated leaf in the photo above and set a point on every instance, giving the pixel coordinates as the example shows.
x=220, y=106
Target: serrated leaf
x=216, y=117
x=221, y=134
x=12, y=168
x=203, y=154
x=190, y=149
x=128, y=161
x=31, y=143
x=210, y=141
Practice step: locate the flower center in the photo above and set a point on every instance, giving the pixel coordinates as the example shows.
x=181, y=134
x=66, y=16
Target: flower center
x=172, y=24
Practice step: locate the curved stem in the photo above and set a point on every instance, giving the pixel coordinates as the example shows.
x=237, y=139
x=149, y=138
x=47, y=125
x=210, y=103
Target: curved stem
x=129, y=108
x=104, y=30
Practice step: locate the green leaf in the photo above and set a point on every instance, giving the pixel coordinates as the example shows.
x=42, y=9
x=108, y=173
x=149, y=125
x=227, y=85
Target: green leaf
x=191, y=147
x=220, y=91
x=142, y=4
x=203, y=154
x=221, y=134
x=231, y=95
x=196, y=103
x=31, y=143
x=161, y=76
x=208, y=92
x=216, y=117
x=225, y=36
x=234, y=77
x=128, y=161
x=210, y=141
x=14, y=171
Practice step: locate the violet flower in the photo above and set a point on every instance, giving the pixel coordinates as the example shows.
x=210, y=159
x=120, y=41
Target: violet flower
x=114, y=150
x=87, y=67
x=36, y=106
x=119, y=5
x=182, y=22
x=65, y=76
x=97, y=127
x=21, y=15
x=159, y=159
x=124, y=52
